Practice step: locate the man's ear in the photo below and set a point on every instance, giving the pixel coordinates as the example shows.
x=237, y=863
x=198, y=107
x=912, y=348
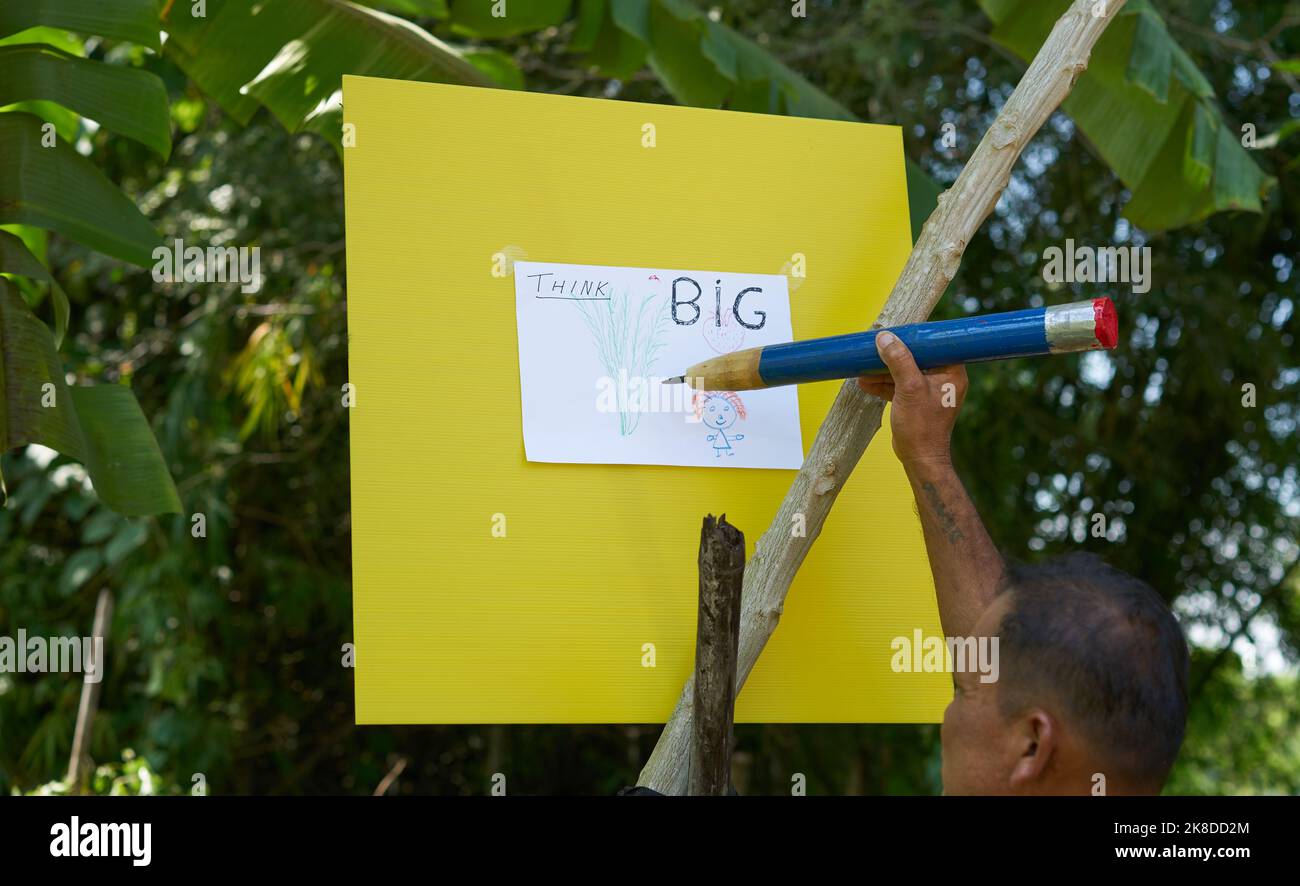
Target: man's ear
x=1036, y=742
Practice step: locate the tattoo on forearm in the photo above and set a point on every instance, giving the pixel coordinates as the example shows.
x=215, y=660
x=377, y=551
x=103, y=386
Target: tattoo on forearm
x=947, y=522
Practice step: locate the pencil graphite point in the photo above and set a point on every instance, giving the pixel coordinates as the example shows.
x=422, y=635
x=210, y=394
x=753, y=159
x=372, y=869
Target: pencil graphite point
x=675, y=380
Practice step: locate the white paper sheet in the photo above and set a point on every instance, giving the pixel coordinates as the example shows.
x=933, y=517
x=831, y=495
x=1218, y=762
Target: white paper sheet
x=595, y=343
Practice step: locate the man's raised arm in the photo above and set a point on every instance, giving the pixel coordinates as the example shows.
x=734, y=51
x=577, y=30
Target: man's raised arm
x=967, y=568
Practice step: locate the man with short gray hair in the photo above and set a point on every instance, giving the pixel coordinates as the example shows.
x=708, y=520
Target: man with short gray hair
x=1092, y=695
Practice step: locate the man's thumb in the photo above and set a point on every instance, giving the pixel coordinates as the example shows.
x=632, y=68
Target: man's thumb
x=898, y=358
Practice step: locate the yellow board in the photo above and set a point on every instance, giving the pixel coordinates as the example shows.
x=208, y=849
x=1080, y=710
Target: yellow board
x=549, y=623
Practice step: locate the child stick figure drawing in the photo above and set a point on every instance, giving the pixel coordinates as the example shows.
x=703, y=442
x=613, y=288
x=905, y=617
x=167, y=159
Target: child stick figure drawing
x=719, y=411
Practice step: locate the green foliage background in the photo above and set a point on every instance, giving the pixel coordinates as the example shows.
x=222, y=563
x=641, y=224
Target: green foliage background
x=225, y=652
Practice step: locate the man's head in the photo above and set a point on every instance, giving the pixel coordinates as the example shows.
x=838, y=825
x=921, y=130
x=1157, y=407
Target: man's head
x=1093, y=680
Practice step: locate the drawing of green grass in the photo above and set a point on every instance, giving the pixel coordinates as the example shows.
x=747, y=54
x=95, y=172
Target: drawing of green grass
x=628, y=337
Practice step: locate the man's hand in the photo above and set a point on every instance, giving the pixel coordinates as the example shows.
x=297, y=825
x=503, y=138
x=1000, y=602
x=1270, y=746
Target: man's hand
x=925, y=403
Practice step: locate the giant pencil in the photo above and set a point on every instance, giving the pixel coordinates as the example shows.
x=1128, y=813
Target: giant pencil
x=1078, y=326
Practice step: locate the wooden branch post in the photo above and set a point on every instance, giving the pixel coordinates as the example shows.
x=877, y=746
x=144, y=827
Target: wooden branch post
x=855, y=416
x=717, y=635
x=79, y=760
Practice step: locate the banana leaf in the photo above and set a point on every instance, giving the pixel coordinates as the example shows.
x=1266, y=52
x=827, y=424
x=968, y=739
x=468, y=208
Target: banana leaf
x=100, y=426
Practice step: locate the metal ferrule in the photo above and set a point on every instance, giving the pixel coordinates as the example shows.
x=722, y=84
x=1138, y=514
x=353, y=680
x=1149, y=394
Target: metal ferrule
x=1071, y=327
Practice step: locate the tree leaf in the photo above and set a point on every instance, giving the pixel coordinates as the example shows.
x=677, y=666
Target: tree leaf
x=1283, y=132
x=16, y=258
x=100, y=426
x=615, y=49
x=66, y=123
x=681, y=58
x=58, y=189
x=705, y=63
x=1202, y=145
x=56, y=37
x=922, y=197
x=290, y=56
x=497, y=65
x=591, y=15
x=474, y=17
x=1236, y=177
x=78, y=570
x=128, y=538
x=133, y=20
x=125, y=100
x=430, y=8
x=1149, y=112
x=100, y=527
x=1150, y=62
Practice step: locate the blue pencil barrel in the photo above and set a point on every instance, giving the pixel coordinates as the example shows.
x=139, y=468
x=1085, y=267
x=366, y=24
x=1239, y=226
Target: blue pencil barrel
x=1026, y=333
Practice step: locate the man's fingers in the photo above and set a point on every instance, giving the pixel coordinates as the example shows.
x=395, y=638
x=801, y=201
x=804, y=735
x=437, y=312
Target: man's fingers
x=960, y=379
x=954, y=375
x=902, y=366
x=877, y=386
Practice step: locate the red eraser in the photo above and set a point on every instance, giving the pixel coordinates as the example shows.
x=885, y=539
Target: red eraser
x=1106, y=322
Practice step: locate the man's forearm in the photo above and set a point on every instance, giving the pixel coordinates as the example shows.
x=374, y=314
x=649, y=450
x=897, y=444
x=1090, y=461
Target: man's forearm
x=967, y=568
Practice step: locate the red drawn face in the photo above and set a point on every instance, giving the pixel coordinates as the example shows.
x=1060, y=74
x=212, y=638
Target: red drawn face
x=723, y=337
x=718, y=409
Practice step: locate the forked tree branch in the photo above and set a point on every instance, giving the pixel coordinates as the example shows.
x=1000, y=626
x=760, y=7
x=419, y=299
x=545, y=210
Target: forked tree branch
x=855, y=417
